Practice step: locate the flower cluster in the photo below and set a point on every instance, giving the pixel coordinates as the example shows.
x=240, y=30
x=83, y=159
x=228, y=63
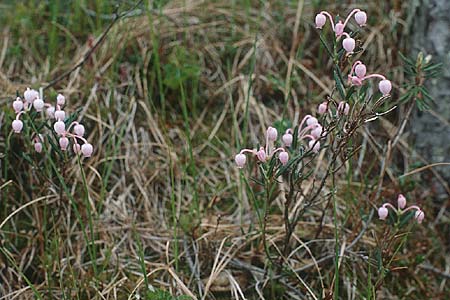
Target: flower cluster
x=75, y=131
x=309, y=129
x=358, y=75
x=348, y=43
x=401, y=204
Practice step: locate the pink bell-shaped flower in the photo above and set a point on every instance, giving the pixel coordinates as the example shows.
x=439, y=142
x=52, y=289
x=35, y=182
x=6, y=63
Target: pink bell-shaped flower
x=30, y=95
x=283, y=157
x=383, y=213
x=50, y=112
x=261, y=155
x=311, y=121
x=17, y=126
x=361, y=18
x=59, y=127
x=287, y=139
x=401, y=201
x=349, y=44
x=314, y=146
x=60, y=100
x=60, y=115
x=419, y=216
x=360, y=70
x=18, y=105
x=78, y=129
x=320, y=20
x=63, y=143
x=240, y=160
x=38, y=104
x=385, y=87
x=343, y=108
x=87, y=150
x=339, y=29
x=317, y=131
x=323, y=107
x=272, y=134
x=38, y=147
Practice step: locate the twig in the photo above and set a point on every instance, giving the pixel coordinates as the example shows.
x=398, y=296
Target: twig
x=116, y=18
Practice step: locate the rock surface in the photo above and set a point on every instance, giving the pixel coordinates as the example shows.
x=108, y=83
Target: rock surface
x=431, y=35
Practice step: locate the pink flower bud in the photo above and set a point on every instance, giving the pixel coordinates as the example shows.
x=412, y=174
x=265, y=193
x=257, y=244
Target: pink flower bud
x=385, y=87
x=30, y=95
x=361, y=18
x=87, y=150
x=314, y=146
x=311, y=121
x=63, y=143
x=261, y=155
x=38, y=147
x=287, y=139
x=38, y=104
x=283, y=157
x=339, y=29
x=360, y=70
x=59, y=127
x=18, y=105
x=401, y=201
x=348, y=44
x=17, y=126
x=317, y=131
x=79, y=129
x=355, y=80
x=76, y=148
x=50, y=111
x=60, y=115
x=383, y=213
x=419, y=216
x=320, y=20
x=323, y=107
x=272, y=134
x=343, y=108
x=60, y=100
x=240, y=160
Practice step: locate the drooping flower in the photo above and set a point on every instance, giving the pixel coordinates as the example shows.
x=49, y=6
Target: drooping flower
x=59, y=127
x=385, y=87
x=18, y=105
x=320, y=20
x=284, y=157
x=401, y=201
x=17, y=126
x=287, y=139
x=240, y=160
x=361, y=18
x=87, y=150
x=382, y=213
x=323, y=107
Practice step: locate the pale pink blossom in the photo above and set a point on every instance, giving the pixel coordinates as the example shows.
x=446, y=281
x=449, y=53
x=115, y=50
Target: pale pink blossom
x=361, y=18
x=63, y=143
x=17, y=126
x=385, y=87
x=401, y=201
x=320, y=20
x=59, y=127
x=87, y=149
x=18, y=105
x=283, y=157
x=323, y=107
x=240, y=160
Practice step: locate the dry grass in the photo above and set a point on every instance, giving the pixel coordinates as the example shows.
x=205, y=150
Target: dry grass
x=148, y=165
